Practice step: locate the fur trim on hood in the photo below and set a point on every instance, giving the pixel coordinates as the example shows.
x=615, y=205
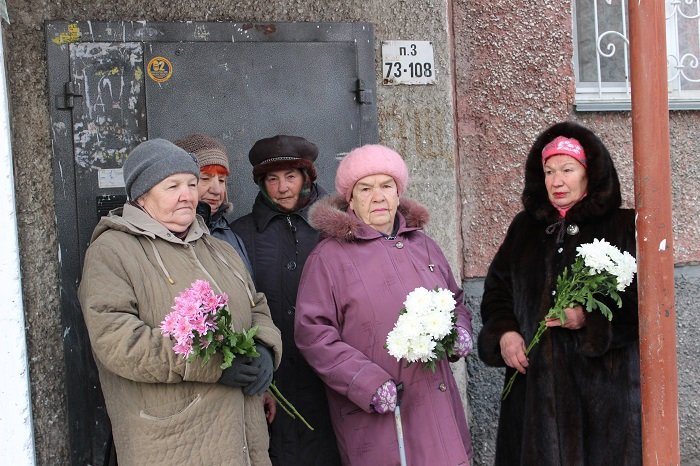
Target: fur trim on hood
x=333, y=219
x=603, y=195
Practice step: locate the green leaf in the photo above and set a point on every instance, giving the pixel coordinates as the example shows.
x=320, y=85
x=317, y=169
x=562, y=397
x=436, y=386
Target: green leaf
x=605, y=310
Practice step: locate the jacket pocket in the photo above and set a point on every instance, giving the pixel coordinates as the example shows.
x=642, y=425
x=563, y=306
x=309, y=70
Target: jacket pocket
x=167, y=411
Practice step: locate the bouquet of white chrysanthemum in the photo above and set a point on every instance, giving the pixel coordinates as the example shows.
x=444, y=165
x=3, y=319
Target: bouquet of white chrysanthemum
x=600, y=269
x=425, y=330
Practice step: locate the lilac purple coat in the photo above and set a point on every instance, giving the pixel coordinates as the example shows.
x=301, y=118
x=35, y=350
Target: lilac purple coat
x=352, y=288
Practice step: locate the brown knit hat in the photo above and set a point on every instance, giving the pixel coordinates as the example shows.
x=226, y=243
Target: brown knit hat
x=282, y=152
x=206, y=149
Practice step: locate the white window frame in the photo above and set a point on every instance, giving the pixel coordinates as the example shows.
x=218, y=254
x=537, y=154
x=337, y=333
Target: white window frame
x=602, y=96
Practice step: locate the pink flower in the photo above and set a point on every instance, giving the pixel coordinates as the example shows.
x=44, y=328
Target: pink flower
x=200, y=324
x=199, y=288
x=183, y=348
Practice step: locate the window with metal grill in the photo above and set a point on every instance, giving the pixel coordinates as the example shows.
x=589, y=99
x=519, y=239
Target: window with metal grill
x=601, y=54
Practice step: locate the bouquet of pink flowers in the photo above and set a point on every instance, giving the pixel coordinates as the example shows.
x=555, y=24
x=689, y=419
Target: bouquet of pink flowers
x=200, y=323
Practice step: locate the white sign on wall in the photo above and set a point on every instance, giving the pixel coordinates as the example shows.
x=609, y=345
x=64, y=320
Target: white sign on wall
x=408, y=62
x=110, y=178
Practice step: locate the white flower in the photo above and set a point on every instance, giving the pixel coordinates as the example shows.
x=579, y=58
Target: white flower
x=438, y=324
x=625, y=269
x=422, y=346
x=601, y=256
x=417, y=300
x=596, y=255
x=397, y=342
x=443, y=300
x=412, y=322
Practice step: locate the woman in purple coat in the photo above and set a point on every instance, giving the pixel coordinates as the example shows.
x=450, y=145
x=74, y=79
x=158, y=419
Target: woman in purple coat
x=374, y=253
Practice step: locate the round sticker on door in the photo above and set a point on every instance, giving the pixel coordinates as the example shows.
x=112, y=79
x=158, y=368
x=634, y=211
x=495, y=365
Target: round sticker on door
x=159, y=69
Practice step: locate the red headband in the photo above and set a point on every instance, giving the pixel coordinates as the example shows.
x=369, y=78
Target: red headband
x=564, y=146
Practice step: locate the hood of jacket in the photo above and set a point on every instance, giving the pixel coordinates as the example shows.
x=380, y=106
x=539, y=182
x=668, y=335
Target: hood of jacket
x=332, y=217
x=603, y=196
x=130, y=219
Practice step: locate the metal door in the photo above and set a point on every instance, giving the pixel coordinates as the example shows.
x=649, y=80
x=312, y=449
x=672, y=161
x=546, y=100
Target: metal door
x=113, y=85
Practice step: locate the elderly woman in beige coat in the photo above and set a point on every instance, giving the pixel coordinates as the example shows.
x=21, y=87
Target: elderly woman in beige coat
x=164, y=409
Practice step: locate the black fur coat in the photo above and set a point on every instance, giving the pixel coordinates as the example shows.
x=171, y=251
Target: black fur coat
x=579, y=403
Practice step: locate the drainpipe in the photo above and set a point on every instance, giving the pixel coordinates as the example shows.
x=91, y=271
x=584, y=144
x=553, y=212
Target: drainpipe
x=652, y=187
x=16, y=432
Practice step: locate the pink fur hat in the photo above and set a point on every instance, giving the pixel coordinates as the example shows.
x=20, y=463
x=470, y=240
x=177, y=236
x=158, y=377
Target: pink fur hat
x=370, y=159
x=564, y=146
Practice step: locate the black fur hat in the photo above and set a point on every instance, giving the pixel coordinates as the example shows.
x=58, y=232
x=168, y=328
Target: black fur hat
x=603, y=184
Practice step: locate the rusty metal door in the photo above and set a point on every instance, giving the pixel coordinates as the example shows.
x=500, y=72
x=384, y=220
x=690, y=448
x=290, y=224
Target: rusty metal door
x=113, y=85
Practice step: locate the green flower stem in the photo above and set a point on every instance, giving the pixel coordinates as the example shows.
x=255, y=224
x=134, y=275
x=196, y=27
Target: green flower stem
x=536, y=339
x=279, y=402
x=286, y=405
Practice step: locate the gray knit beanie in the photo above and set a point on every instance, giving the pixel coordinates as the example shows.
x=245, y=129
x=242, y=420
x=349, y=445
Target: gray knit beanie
x=209, y=151
x=151, y=162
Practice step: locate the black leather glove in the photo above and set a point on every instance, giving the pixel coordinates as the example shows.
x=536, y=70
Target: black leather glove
x=265, y=366
x=241, y=373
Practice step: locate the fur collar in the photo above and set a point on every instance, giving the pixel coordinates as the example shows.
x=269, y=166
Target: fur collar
x=603, y=184
x=331, y=217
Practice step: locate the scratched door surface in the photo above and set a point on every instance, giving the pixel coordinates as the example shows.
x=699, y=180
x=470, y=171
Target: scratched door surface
x=242, y=92
x=113, y=85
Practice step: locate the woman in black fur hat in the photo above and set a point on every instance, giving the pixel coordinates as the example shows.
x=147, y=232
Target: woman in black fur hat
x=577, y=400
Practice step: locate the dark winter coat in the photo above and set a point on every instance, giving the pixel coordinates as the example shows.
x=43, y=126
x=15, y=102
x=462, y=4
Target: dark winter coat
x=278, y=245
x=352, y=289
x=579, y=403
x=221, y=229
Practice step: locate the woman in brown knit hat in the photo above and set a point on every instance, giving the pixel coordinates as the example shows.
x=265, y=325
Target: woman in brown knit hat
x=213, y=199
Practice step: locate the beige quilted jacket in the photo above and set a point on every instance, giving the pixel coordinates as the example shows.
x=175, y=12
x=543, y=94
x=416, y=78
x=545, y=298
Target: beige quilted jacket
x=165, y=411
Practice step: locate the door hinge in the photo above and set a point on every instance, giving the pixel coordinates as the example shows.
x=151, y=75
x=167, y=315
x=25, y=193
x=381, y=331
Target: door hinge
x=66, y=101
x=364, y=96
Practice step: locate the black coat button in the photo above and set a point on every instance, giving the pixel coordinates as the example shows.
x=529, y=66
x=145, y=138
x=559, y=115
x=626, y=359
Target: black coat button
x=291, y=265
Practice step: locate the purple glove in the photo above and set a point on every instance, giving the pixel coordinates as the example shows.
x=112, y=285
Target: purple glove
x=463, y=344
x=384, y=400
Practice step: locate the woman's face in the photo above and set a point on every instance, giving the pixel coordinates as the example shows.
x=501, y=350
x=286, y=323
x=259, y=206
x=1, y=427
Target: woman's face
x=566, y=181
x=212, y=190
x=374, y=200
x=173, y=201
x=284, y=187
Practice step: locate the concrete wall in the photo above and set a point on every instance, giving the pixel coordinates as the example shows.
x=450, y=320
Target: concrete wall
x=417, y=121
x=16, y=436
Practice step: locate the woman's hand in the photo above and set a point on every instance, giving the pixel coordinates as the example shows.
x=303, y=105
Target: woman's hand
x=513, y=351
x=385, y=398
x=575, y=319
x=270, y=407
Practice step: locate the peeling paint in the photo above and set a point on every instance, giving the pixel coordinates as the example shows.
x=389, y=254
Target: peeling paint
x=68, y=37
x=201, y=32
x=662, y=245
x=111, y=77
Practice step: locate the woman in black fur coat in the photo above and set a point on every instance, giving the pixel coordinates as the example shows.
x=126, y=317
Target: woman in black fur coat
x=577, y=400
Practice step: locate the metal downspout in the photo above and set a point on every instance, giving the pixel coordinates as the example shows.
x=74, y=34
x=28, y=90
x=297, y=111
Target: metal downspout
x=652, y=185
